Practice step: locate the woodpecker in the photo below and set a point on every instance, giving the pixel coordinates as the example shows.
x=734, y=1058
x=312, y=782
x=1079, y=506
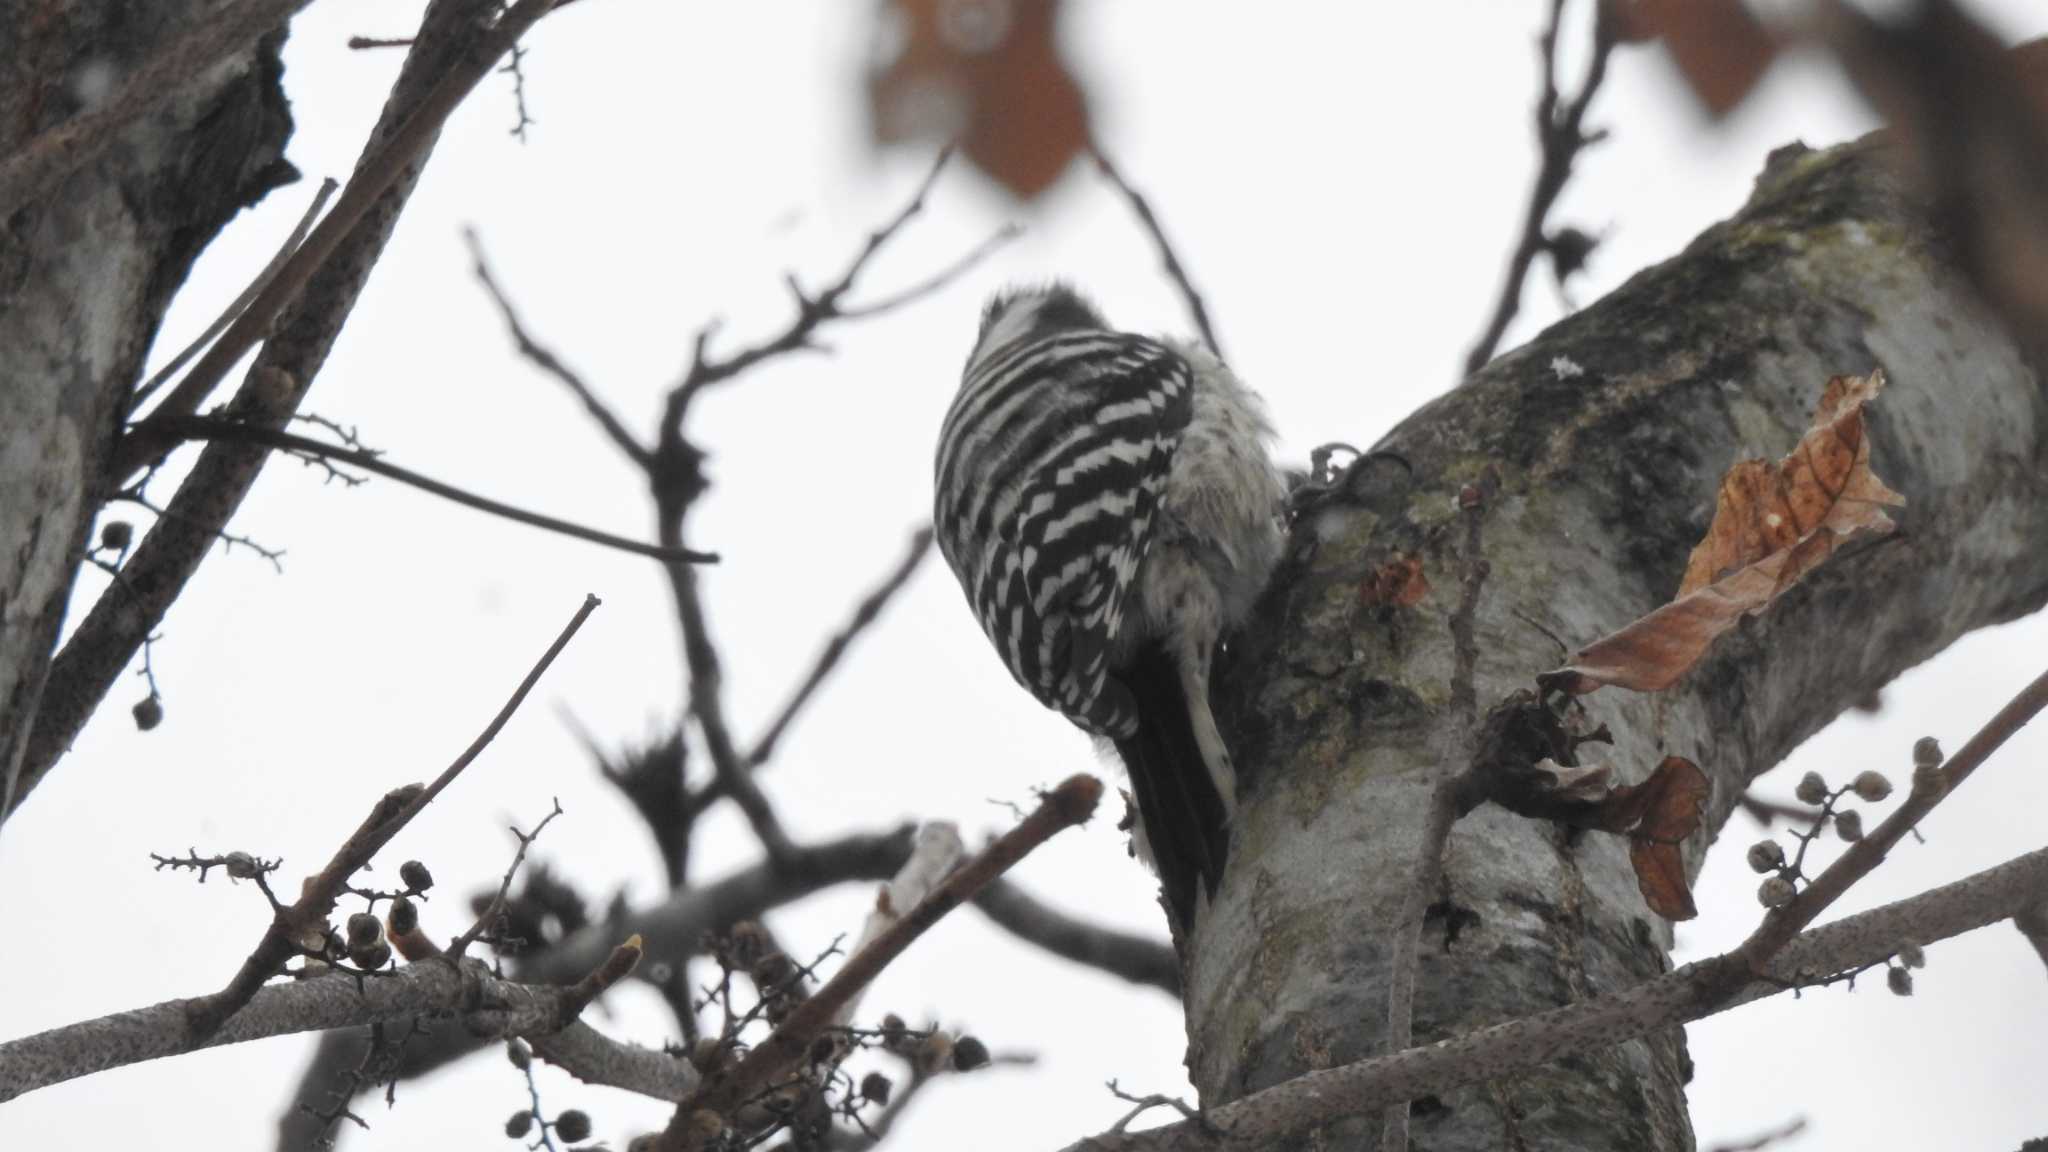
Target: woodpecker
x=1110, y=507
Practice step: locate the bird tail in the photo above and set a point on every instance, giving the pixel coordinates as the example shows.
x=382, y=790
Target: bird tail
x=1183, y=816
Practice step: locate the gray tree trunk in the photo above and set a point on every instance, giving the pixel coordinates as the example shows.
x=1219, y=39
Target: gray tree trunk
x=1608, y=434
x=85, y=275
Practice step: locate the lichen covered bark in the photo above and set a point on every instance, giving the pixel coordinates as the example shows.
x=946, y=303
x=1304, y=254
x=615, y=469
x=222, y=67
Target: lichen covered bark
x=1607, y=435
x=85, y=275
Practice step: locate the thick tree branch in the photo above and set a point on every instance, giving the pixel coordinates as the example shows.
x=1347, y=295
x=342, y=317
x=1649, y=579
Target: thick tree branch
x=291, y=356
x=1687, y=994
x=374, y=175
x=487, y=1006
x=1137, y=959
x=1609, y=434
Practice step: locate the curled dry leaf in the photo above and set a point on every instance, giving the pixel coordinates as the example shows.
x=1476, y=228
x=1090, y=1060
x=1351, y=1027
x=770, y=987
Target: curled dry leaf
x=1774, y=523
x=986, y=73
x=1660, y=813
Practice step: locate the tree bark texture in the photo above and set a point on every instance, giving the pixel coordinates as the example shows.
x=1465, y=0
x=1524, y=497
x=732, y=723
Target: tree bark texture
x=85, y=275
x=1608, y=435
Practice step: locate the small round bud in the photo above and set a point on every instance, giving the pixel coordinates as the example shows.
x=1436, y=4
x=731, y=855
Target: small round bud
x=706, y=1125
x=876, y=1087
x=404, y=917
x=364, y=929
x=1911, y=956
x=1927, y=753
x=148, y=712
x=518, y=1124
x=414, y=876
x=772, y=970
x=372, y=957
x=1812, y=789
x=969, y=1053
x=1766, y=856
x=1899, y=981
x=242, y=866
x=1849, y=825
x=1871, y=786
x=336, y=946
x=895, y=1035
x=116, y=535
x=1775, y=892
x=519, y=1053
x=573, y=1125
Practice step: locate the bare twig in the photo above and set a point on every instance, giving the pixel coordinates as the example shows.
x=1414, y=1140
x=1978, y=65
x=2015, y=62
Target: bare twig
x=936, y=280
x=328, y=186
x=1262, y=1118
x=1175, y=271
x=938, y=850
x=1560, y=131
x=1401, y=966
x=307, y=917
x=214, y=428
x=1064, y=807
x=38, y=166
x=1765, y=1139
x=812, y=312
x=869, y=610
x=486, y=918
x=548, y=362
x=152, y=437
x=1143, y=1104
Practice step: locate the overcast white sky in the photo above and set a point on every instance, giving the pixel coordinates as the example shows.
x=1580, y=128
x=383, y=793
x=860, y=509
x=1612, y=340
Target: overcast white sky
x=1343, y=180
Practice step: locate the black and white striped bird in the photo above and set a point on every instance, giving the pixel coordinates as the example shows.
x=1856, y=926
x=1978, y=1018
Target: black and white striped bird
x=1110, y=508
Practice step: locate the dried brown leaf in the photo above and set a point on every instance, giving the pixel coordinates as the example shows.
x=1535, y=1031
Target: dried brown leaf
x=1719, y=46
x=1399, y=582
x=1772, y=525
x=988, y=75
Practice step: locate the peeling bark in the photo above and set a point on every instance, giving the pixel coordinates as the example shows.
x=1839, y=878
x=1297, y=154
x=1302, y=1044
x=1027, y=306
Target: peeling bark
x=1608, y=435
x=85, y=275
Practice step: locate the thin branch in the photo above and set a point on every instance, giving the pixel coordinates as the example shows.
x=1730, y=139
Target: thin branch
x=1064, y=807
x=937, y=851
x=153, y=435
x=1402, y=965
x=1930, y=786
x=307, y=917
x=1766, y=1138
x=39, y=165
x=1138, y=959
x=486, y=1005
x=548, y=362
x=707, y=703
x=215, y=428
x=867, y=613
x=294, y=350
x=1175, y=271
x=484, y=919
x=812, y=312
x=240, y=304
x=1693, y=992
x=1560, y=131
x=937, y=280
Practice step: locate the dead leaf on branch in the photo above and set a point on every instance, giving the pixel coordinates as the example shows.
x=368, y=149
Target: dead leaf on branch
x=1719, y=46
x=1772, y=525
x=1527, y=763
x=987, y=73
